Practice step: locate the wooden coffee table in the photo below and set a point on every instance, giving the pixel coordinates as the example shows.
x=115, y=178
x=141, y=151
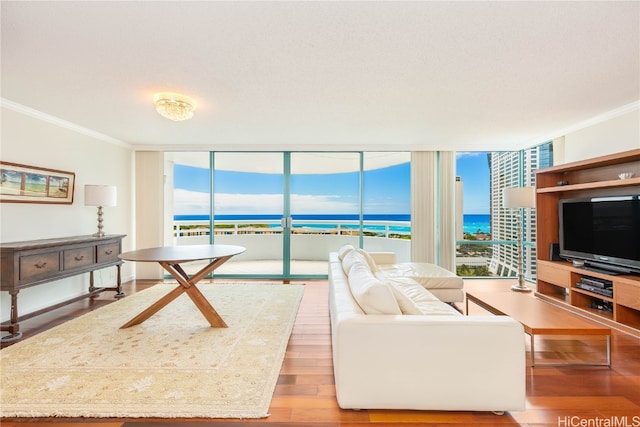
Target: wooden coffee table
x=539, y=318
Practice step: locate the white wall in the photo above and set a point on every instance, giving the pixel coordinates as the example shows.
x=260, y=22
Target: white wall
x=31, y=141
x=617, y=134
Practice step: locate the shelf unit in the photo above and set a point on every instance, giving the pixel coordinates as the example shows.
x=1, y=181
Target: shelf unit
x=556, y=280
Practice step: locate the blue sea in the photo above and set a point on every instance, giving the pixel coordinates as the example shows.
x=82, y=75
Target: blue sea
x=472, y=222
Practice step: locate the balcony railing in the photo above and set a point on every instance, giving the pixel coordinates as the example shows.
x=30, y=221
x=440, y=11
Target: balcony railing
x=386, y=229
x=311, y=240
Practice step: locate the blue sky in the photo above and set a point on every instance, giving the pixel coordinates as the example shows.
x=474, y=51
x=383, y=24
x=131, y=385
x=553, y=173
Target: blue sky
x=473, y=169
x=386, y=190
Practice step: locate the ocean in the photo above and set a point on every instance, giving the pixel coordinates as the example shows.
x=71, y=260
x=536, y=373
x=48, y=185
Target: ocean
x=472, y=223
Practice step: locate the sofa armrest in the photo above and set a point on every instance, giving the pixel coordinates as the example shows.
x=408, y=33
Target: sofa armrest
x=438, y=362
x=383, y=257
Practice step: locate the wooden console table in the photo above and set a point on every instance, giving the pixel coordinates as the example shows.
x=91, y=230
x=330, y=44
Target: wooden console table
x=36, y=262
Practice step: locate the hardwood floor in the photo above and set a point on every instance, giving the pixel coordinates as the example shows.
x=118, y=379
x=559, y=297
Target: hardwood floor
x=305, y=394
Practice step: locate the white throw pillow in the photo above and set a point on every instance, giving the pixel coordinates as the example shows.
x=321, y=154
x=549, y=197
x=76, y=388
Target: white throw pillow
x=409, y=294
x=372, y=295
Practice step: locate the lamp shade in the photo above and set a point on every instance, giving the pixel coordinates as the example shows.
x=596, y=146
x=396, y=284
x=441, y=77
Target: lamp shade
x=518, y=197
x=100, y=195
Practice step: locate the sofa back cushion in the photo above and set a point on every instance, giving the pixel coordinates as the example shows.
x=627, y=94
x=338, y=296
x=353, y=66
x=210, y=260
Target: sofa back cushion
x=369, y=259
x=408, y=293
x=350, y=259
x=412, y=298
x=344, y=250
x=372, y=295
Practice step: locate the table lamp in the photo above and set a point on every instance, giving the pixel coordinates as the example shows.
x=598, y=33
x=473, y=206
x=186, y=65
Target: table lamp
x=100, y=195
x=519, y=198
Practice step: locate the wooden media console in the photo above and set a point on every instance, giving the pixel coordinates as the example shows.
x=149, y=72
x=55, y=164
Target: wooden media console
x=557, y=280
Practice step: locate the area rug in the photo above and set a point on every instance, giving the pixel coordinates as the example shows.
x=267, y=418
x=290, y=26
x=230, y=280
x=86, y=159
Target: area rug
x=173, y=365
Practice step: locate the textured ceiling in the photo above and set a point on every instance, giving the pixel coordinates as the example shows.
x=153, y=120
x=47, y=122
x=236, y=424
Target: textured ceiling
x=324, y=75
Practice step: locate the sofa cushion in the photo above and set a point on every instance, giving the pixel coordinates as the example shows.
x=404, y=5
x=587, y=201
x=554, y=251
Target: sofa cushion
x=372, y=295
x=352, y=258
x=413, y=298
x=370, y=261
x=437, y=308
x=409, y=294
x=344, y=249
x=430, y=276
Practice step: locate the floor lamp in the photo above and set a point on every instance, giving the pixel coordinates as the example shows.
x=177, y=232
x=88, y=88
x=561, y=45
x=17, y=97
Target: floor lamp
x=519, y=198
x=100, y=195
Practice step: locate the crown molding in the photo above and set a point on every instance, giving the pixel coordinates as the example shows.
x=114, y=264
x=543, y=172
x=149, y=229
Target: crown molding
x=39, y=115
x=416, y=146
x=612, y=114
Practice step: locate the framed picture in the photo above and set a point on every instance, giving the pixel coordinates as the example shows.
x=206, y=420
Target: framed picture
x=30, y=184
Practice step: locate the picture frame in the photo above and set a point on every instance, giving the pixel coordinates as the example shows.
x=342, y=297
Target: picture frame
x=32, y=184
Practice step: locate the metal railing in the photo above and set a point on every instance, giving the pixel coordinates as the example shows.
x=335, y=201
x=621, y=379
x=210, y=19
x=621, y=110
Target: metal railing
x=472, y=256
x=386, y=229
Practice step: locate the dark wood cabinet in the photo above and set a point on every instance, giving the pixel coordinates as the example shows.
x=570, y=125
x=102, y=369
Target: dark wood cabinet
x=36, y=262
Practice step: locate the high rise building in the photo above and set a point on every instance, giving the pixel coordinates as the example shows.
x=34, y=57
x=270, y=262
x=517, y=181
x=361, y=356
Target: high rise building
x=514, y=169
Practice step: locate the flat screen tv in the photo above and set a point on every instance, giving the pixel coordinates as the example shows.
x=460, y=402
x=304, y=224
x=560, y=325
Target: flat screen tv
x=604, y=232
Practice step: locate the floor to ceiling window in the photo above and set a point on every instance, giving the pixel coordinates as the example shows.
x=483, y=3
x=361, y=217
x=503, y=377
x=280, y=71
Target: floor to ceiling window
x=325, y=208
x=248, y=207
x=489, y=233
x=291, y=209
x=386, y=203
x=473, y=204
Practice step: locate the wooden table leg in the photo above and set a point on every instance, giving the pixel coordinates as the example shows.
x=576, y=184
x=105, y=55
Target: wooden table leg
x=155, y=307
x=205, y=307
x=187, y=285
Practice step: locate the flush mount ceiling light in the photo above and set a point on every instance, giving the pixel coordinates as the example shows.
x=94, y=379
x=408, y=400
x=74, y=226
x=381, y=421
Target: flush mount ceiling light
x=174, y=106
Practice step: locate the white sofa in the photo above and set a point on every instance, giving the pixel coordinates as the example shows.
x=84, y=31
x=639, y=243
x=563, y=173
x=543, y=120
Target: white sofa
x=442, y=360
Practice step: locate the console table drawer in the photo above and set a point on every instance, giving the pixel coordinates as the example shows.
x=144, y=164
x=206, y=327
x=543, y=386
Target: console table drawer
x=76, y=258
x=33, y=267
x=108, y=252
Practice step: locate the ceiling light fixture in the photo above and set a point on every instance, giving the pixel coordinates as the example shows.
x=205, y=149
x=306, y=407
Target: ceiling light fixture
x=174, y=106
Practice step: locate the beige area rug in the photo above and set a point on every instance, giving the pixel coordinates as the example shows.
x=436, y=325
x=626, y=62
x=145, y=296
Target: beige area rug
x=172, y=365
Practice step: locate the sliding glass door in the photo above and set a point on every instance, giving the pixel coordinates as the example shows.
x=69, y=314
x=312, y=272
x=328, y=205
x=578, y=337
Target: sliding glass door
x=248, y=206
x=288, y=209
x=325, y=208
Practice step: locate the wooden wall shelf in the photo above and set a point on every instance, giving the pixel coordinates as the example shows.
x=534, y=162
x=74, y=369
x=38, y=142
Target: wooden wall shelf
x=556, y=280
x=619, y=183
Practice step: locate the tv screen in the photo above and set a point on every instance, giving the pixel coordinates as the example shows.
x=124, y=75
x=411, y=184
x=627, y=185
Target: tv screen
x=602, y=231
